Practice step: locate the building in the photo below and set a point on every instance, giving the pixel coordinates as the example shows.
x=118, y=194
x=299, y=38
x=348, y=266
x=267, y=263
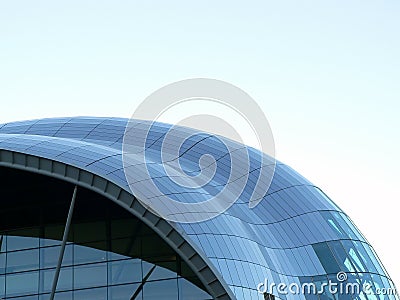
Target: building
x=116, y=249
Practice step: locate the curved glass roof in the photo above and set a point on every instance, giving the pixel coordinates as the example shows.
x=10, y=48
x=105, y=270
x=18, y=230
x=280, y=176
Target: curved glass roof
x=295, y=235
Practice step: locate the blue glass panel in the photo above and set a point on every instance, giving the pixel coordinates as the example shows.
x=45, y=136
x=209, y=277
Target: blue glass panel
x=22, y=260
x=22, y=242
x=341, y=256
x=366, y=259
x=163, y=273
x=49, y=256
x=64, y=280
x=354, y=256
x=124, y=271
x=326, y=258
x=123, y=292
x=2, y=286
x=2, y=263
x=334, y=224
x=164, y=289
x=97, y=293
x=89, y=253
x=22, y=283
x=90, y=275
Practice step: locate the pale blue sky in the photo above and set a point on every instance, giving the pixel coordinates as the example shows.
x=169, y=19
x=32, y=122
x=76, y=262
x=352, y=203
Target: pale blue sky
x=326, y=73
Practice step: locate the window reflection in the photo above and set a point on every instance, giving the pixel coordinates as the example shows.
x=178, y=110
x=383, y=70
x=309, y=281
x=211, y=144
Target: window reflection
x=97, y=293
x=163, y=289
x=64, y=280
x=49, y=256
x=22, y=242
x=22, y=283
x=123, y=292
x=125, y=271
x=90, y=273
x=86, y=254
x=25, y=260
x=326, y=258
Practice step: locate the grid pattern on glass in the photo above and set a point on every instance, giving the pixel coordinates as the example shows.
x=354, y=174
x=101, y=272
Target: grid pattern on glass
x=104, y=272
x=296, y=232
x=109, y=254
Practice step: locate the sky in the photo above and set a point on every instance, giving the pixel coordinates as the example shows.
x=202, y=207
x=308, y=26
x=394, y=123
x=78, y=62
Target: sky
x=325, y=73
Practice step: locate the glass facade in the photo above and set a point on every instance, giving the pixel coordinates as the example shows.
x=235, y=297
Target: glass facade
x=109, y=254
x=27, y=268
x=296, y=235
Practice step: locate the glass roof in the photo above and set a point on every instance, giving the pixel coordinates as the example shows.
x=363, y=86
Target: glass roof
x=296, y=233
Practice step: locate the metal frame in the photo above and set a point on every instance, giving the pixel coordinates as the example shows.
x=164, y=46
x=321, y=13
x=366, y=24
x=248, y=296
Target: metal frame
x=64, y=242
x=180, y=243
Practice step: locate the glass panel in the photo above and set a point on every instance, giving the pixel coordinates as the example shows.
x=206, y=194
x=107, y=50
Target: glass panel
x=123, y=292
x=2, y=286
x=88, y=253
x=98, y=294
x=3, y=241
x=90, y=275
x=341, y=256
x=334, y=224
x=49, y=256
x=164, y=289
x=163, y=272
x=2, y=263
x=365, y=257
x=354, y=256
x=22, y=261
x=64, y=281
x=325, y=256
x=189, y=291
x=21, y=242
x=22, y=284
x=125, y=271
x=344, y=225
